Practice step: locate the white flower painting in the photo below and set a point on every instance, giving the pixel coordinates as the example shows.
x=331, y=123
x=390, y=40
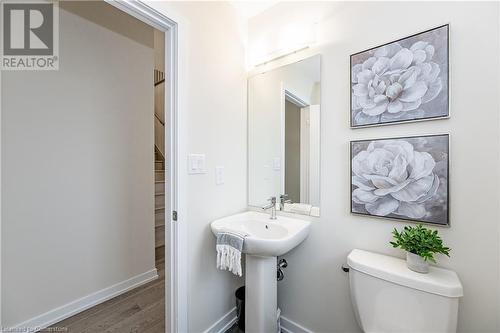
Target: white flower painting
x=404, y=178
x=401, y=81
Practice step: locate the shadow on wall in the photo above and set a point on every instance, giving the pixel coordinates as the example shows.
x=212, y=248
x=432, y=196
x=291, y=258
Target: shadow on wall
x=113, y=20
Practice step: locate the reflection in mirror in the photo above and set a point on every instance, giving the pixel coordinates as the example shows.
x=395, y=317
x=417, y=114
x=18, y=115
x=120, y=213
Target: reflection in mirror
x=284, y=137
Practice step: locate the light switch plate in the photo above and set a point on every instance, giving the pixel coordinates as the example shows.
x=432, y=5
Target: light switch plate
x=196, y=164
x=277, y=163
x=219, y=175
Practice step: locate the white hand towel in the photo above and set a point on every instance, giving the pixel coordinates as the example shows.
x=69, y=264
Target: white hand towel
x=299, y=208
x=315, y=211
x=229, y=247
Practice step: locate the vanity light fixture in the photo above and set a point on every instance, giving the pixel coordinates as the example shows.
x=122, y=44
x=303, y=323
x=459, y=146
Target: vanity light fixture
x=286, y=41
x=282, y=55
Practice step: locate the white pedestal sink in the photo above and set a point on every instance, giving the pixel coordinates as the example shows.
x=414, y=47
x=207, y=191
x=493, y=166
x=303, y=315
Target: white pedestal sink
x=266, y=240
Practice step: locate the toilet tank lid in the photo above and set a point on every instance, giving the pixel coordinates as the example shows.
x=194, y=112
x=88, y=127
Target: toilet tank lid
x=438, y=281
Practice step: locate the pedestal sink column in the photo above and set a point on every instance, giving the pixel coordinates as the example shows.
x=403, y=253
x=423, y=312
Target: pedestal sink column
x=261, y=293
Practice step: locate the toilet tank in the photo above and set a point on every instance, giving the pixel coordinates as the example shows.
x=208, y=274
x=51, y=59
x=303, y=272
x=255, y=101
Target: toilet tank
x=388, y=297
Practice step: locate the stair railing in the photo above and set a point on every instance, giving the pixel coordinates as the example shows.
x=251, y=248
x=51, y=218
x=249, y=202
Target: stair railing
x=159, y=128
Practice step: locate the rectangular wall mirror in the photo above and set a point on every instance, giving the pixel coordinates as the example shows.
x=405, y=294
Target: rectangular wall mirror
x=284, y=137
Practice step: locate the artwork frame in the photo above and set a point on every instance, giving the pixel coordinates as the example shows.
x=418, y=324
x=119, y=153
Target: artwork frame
x=430, y=199
x=430, y=106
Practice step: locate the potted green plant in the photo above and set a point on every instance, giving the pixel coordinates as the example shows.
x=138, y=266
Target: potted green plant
x=420, y=245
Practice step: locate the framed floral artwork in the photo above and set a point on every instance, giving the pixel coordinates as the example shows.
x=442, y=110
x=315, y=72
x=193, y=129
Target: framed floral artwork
x=404, y=80
x=401, y=178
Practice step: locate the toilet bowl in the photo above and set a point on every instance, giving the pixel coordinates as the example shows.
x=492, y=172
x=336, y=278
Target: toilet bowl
x=388, y=297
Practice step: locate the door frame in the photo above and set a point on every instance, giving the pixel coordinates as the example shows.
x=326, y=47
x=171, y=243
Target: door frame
x=176, y=268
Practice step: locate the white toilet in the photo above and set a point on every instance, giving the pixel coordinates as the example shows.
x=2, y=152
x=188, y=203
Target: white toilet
x=388, y=297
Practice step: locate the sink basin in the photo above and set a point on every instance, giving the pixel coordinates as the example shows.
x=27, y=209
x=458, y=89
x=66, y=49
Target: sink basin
x=265, y=237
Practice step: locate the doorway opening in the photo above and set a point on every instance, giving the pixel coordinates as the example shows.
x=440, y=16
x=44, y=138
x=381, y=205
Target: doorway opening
x=175, y=244
x=301, y=128
x=159, y=144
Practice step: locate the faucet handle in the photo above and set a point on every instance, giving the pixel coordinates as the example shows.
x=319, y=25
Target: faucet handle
x=272, y=200
x=284, y=199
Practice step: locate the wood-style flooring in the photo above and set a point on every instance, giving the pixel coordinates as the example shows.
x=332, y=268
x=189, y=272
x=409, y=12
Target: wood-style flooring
x=141, y=310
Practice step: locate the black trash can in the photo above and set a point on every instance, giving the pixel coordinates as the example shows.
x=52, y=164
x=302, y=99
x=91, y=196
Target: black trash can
x=240, y=307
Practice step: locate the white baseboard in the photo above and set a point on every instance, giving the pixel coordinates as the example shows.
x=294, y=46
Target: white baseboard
x=229, y=319
x=81, y=304
x=288, y=326
x=224, y=323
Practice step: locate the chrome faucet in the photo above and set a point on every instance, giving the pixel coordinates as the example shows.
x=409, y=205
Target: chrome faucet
x=283, y=200
x=272, y=206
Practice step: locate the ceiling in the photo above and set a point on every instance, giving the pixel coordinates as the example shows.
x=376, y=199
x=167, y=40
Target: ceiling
x=248, y=9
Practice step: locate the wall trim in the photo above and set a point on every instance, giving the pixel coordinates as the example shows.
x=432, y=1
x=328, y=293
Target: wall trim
x=70, y=309
x=288, y=326
x=229, y=319
x=224, y=323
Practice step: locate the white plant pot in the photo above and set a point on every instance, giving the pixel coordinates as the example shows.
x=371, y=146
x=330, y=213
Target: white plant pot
x=416, y=263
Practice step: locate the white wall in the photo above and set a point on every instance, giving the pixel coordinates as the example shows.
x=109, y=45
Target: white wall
x=315, y=291
x=212, y=115
x=77, y=165
x=265, y=99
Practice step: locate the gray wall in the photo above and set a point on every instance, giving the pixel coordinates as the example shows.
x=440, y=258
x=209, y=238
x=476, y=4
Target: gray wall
x=77, y=165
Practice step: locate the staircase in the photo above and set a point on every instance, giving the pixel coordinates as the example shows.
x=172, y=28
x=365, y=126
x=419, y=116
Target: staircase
x=159, y=145
x=159, y=206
